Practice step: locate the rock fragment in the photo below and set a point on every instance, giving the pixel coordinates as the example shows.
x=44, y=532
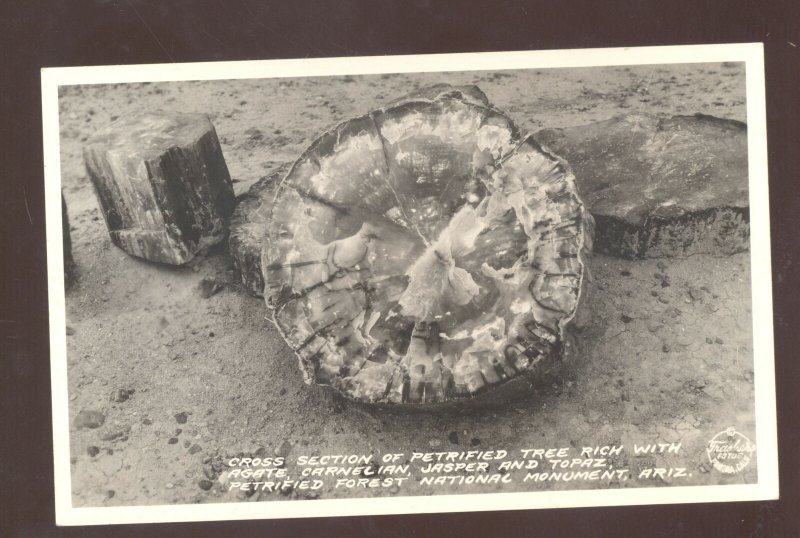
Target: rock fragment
x=661, y=187
x=90, y=419
x=162, y=183
x=209, y=287
x=121, y=395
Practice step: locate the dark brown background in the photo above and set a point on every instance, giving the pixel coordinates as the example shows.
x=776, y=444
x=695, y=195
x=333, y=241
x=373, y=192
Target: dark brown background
x=61, y=33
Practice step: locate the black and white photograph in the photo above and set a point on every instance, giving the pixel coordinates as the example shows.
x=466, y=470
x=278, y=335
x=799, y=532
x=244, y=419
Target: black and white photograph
x=409, y=284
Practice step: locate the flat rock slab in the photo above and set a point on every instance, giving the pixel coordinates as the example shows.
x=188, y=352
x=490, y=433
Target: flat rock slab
x=247, y=227
x=660, y=187
x=162, y=183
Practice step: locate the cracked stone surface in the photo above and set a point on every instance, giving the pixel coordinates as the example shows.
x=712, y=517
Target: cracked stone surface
x=661, y=187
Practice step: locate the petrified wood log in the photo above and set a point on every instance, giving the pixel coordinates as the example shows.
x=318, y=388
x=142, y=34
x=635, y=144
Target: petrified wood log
x=425, y=253
x=661, y=187
x=69, y=261
x=247, y=227
x=162, y=183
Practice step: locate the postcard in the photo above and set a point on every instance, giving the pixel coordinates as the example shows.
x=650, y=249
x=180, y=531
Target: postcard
x=406, y=284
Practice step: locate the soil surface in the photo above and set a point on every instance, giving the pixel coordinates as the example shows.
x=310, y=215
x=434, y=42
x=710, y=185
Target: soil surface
x=174, y=370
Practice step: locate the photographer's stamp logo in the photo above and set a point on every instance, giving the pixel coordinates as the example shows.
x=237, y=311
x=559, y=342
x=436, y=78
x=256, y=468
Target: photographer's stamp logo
x=730, y=451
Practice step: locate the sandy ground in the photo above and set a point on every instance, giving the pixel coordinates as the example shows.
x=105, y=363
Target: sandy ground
x=667, y=357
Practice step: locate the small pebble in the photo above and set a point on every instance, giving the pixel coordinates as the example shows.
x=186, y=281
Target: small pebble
x=474, y=441
x=121, y=395
x=173, y=441
x=205, y=485
x=209, y=287
x=434, y=442
x=93, y=451
x=718, y=340
x=110, y=493
x=70, y=331
x=111, y=435
x=181, y=417
x=88, y=418
x=283, y=449
x=194, y=449
x=453, y=437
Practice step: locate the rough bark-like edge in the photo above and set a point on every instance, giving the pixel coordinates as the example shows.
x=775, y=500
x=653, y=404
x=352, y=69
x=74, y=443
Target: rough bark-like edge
x=252, y=278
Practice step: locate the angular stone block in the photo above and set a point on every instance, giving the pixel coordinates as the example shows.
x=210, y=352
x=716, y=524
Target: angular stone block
x=162, y=183
x=247, y=227
x=661, y=187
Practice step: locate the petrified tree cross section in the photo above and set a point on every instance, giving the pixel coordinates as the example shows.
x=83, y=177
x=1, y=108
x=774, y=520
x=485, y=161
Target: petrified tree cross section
x=162, y=183
x=424, y=252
